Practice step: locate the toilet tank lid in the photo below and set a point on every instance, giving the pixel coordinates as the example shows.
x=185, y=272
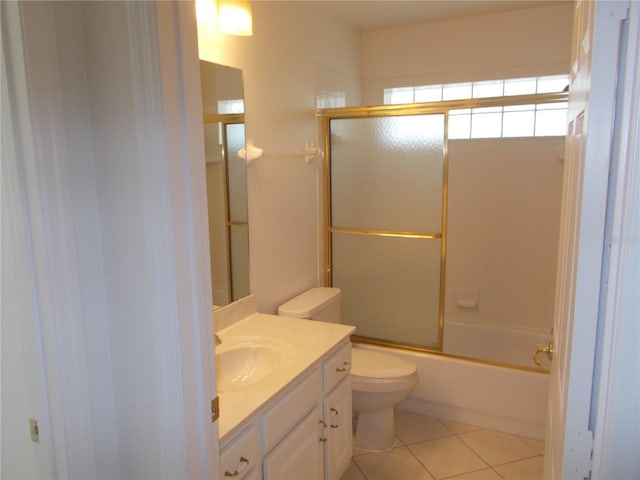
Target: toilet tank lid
x=307, y=304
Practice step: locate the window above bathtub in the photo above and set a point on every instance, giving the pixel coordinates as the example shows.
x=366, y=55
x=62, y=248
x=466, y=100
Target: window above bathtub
x=534, y=120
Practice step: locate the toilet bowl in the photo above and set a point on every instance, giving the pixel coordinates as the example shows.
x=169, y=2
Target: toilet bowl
x=379, y=381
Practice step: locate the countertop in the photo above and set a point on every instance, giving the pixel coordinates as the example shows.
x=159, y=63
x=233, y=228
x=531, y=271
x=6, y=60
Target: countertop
x=308, y=341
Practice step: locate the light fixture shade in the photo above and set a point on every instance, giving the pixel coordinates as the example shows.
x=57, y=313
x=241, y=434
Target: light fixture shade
x=206, y=11
x=234, y=17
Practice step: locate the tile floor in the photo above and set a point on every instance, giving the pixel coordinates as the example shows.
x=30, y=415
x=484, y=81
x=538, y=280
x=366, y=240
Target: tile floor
x=429, y=448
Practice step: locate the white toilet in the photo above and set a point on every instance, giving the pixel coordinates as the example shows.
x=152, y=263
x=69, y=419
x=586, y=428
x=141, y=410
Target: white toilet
x=379, y=381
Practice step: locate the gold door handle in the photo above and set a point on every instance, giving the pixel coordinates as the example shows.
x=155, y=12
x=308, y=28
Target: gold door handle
x=548, y=349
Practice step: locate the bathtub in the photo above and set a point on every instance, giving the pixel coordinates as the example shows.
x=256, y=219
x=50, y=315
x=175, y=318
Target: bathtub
x=494, y=397
x=498, y=344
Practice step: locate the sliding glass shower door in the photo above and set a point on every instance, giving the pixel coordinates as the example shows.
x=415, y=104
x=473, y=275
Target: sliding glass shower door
x=387, y=225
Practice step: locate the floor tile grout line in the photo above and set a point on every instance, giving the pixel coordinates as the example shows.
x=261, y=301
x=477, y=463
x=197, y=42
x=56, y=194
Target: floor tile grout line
x=469, y=472
x=457, y=435
x=486, y=465
x=497, y=473
x=353, y=460
x=505, y=463
x=421, y=464
x=407, y=446
x=518, y=460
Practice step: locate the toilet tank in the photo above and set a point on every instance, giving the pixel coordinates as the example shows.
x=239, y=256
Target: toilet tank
x=320, y=303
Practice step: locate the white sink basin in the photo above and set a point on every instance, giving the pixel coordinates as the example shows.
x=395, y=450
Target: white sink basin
x=243, y=361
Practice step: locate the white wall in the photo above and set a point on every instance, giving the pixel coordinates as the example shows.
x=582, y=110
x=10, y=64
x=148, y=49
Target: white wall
x=519, y=43
x=293, y=52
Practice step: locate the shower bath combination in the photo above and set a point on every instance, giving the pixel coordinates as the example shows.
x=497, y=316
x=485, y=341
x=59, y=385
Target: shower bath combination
x=434, y=240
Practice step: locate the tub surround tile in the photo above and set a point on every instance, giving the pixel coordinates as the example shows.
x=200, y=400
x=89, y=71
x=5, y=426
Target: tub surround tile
x=413, y=428
x=396, y=464
x=446, y=457
x=497, y=448
x=529, y=469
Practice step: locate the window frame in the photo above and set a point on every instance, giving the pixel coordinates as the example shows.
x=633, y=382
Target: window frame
x=464, y=121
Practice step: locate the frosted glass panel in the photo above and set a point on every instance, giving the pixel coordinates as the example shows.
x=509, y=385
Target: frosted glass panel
x=455, y=91
x=551, y=122
x=486, y=122
x=432, y=93
x=236, y=174
x=493, y=88
x=239, y=258
x=518, y=124
x=212, y=142
x=390, y=286
x=459, y=125
x=386, y=173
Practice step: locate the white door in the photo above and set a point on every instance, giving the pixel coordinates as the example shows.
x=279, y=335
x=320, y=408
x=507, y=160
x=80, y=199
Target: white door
x=594, y=71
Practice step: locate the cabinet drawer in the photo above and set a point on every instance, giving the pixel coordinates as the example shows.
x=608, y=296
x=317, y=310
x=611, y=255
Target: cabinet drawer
x=240, y=455
x=337, y=367
x=281, y=418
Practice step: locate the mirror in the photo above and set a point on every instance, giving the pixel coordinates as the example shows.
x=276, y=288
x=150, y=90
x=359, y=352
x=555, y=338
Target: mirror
x=223, y=106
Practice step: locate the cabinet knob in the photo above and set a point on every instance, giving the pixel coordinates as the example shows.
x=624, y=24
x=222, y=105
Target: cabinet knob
x=322, y=439
x=244, y=462
x=344, y=368
x=334, y=411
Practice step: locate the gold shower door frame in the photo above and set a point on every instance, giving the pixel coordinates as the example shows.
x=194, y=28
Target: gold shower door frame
x=225, y=119
x=442, y=108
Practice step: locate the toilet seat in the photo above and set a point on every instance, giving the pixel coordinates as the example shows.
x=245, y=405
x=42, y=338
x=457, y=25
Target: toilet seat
x=373, y=371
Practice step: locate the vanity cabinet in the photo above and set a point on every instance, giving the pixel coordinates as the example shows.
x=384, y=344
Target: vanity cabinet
x=304, y=432
x=319, y=444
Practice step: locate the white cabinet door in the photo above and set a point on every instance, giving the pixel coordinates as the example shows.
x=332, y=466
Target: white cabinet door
x=300, y=454
x=337, y=415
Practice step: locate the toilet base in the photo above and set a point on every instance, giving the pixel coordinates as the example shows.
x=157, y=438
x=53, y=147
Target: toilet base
x=375, y=430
